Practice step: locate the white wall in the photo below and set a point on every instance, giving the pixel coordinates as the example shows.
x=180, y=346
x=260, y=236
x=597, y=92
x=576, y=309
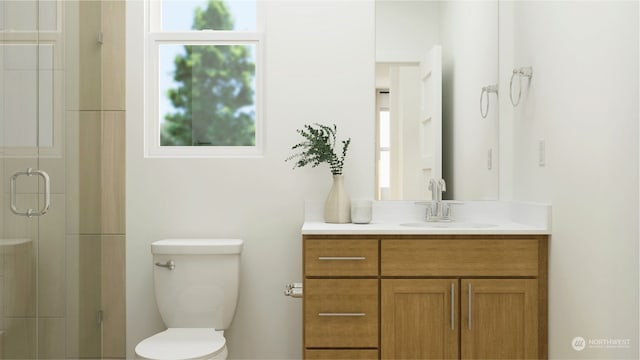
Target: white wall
x=319, y=68
x=583, y=101
x=405, y=30
x=469, y=37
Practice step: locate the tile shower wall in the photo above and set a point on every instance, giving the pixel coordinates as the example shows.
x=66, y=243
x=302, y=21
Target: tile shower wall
x=99, y=242
x=80, y=246
x=113, y=180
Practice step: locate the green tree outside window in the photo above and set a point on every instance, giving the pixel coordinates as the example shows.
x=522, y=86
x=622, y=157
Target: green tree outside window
x=214, y=100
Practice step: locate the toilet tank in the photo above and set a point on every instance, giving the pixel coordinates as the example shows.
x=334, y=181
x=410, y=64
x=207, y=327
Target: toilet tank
x=202, y=288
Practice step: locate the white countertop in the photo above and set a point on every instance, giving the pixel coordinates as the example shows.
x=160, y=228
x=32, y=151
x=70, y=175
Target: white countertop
x=373, y=228
x=470, y=218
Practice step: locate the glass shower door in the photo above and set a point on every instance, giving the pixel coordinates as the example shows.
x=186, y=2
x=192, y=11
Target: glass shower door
x=49, y=278
x=22, y=202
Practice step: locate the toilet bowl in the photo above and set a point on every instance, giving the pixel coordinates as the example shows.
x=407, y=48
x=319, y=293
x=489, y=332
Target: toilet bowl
x=196, y=284
x=184, y=344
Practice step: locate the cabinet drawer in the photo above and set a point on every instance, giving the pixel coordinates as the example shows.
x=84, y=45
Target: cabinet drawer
x=341, y=313
x=341, y=257
x=460, y=257
x=345, y=354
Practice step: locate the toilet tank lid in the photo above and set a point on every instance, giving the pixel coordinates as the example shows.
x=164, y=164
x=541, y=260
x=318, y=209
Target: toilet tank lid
x=197, y=246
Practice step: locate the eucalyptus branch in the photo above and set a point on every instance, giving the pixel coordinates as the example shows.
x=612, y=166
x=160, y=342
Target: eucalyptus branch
x=319, y=146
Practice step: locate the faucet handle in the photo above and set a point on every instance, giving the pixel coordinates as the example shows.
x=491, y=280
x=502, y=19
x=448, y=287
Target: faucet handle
x=432, y=185
x=433, y=188
x=442, y=185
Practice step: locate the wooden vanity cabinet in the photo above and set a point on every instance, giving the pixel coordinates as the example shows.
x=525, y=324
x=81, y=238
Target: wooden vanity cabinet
x=341, y=298
x=440, y=297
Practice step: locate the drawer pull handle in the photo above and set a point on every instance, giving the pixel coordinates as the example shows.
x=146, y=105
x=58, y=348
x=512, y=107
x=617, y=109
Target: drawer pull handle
x=341, y=314
x=341, y=258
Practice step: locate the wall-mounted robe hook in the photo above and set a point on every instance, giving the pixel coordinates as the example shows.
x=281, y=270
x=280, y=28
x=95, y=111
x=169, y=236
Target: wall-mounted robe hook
x=486, y=90
x=521, y=72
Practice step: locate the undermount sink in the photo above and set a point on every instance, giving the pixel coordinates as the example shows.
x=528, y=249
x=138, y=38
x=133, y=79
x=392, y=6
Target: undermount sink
x=449, y=225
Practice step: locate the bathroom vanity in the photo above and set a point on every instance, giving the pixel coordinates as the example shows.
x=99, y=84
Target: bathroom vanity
x=395, y=290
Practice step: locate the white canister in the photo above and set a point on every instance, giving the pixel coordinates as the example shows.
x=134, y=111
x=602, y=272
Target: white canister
x=361, y=211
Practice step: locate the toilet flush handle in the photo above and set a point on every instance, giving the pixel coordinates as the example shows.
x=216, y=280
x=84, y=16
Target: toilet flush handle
x=169, y=265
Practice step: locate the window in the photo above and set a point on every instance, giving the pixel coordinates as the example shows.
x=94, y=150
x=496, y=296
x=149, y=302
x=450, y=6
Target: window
x=383, y=144
x=203, y=78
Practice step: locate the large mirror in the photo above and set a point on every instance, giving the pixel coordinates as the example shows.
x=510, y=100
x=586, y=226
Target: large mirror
x=436, y=98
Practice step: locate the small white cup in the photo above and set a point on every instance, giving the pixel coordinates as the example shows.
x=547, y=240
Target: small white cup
x=361, y=211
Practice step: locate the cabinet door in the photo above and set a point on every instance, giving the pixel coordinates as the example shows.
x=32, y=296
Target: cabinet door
x=419, y=319
x=499, y=319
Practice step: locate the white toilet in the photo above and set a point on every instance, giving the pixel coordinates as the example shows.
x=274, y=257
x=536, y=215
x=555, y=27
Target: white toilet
x=196, y=285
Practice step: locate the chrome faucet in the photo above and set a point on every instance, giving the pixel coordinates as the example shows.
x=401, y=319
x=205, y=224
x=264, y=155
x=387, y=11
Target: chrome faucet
x=433, y=187
x=442, y=211
x=442, y=187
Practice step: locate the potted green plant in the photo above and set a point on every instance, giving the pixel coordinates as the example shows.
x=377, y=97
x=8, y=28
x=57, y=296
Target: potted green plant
x=319, y=146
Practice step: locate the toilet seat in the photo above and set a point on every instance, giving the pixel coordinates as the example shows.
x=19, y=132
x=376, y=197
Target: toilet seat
x=183, y=344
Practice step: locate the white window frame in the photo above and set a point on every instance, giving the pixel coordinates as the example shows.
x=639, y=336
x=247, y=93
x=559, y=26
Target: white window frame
x=154, y=38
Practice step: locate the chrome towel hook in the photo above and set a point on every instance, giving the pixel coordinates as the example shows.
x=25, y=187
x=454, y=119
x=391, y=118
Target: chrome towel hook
x=486, y=90
x=521, y=72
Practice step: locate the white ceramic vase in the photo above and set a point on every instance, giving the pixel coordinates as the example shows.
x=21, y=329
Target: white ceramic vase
x=337, y=208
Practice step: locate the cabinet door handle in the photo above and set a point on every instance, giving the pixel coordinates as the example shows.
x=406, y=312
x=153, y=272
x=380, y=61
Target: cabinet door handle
x=341, y=258
x=341, y=314
x=469, y=304
x=453, y=314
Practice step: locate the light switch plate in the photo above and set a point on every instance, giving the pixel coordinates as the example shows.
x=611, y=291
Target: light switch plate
x=542, y=155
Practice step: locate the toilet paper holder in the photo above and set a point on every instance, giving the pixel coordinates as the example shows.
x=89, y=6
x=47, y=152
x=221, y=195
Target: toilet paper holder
x=293, y=290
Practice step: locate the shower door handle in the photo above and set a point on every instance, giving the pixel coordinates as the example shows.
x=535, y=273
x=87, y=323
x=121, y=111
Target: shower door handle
x=47, y=193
